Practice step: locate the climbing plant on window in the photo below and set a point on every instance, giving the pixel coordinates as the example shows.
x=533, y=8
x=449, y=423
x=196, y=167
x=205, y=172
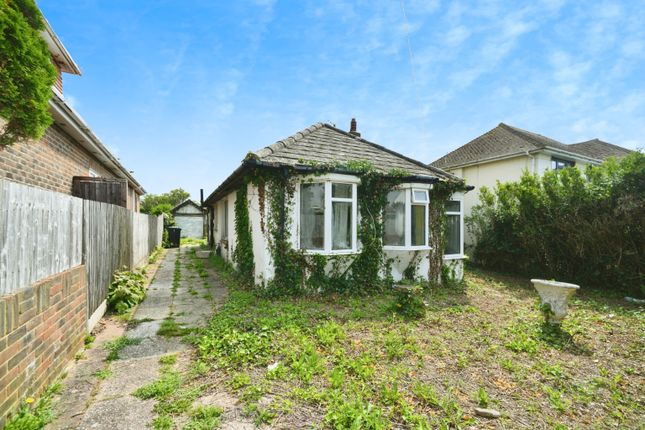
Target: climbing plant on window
x=367, y=268
x=243, y=253
x=26, y=73
x=441, y=192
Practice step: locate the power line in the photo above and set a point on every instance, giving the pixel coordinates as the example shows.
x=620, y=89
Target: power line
x=415, y=86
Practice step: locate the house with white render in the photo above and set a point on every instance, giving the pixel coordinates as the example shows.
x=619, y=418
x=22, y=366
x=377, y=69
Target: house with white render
x=322, y=170
x=505, y=152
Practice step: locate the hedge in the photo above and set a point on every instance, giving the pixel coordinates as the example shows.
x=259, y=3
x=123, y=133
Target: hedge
x=569, y=225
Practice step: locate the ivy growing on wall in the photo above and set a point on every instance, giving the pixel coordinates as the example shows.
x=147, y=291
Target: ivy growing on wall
x=367, y=269
x=26, y=73
x=295, y=271
x=243, y=253
x=277, y=188
x=439, y=195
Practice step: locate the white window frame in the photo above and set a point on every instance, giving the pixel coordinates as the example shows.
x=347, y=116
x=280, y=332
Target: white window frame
x=92, y=173
x=459, y=199
x=555, y=161
x=408, y=191
x=328, y=180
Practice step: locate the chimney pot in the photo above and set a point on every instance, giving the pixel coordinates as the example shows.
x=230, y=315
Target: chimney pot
x=352, y=128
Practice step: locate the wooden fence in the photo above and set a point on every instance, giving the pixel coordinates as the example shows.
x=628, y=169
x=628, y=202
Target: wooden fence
x=43, y=233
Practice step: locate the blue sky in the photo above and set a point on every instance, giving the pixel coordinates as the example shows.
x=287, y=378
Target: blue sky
x=180, y=91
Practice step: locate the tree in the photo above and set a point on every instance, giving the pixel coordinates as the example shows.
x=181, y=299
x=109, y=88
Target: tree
x=172, y=198
x=26, y=73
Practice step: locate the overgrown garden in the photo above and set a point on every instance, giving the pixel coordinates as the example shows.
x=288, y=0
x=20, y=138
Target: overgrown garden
x=582, y=227
x=297, y=272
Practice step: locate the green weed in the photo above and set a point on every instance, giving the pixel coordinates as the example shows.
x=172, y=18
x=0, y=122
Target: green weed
x=204, y=418
x=115, y=346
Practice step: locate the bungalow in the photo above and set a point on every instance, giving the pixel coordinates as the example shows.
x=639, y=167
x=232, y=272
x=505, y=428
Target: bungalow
x=505, y=152
x=328, y=197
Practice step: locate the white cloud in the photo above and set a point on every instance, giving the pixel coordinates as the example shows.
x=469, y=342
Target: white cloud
x=457, y=35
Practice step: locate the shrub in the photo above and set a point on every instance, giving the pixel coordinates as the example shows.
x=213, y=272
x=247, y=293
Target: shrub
x=27, y=73
x=409, y=301
x=569, y=225
x=126, y=290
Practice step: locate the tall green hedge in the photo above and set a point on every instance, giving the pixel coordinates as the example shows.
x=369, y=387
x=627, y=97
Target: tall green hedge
x=26, y=72
x=587, y=228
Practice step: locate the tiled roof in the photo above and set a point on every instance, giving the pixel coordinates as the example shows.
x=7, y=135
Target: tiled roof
x=505, y=140
x=596, y=148
x=324, y=143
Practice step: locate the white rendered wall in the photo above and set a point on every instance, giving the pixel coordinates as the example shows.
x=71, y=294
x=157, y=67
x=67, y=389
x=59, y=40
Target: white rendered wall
x=263, y=266
x=264, y=269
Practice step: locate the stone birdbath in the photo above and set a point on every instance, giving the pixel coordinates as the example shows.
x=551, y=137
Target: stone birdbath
x=555, y=295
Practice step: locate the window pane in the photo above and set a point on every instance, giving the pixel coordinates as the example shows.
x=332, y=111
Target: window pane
x=557, y=163
x=312, y=216
x=418, y=225
x=341, y=190
x=419, y=196
x=394, y=219
x=341, y=225
x=453, y=235
x=453, y=206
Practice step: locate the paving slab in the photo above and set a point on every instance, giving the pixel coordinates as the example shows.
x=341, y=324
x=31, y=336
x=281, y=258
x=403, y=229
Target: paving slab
x=156, y=313
x=127, y=376
x=109, y=404
x=144, y=329
x=122, y=413
x=153, y=347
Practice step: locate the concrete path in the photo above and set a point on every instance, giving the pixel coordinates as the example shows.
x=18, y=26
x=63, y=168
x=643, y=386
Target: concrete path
x=109, y=403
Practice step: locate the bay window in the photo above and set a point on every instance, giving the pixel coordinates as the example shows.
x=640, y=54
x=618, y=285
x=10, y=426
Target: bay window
x=454, y=228
x=328, y=217
x=405, y=219
x=394, y=219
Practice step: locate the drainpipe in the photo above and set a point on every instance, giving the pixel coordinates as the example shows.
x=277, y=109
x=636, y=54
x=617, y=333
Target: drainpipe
x=532, y=160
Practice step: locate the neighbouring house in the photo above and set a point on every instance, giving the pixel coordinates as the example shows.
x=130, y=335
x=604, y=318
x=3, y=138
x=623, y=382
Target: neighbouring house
x=69, y=158
x=309, y=190
x=58, y=252
x=189, y=216
x=505, y=152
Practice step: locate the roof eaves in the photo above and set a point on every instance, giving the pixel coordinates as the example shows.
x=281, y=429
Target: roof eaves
x=184, y=203
x=488, y=159
x=72, y=118
x=228, y=183
x=58, y=50
x=573, y=154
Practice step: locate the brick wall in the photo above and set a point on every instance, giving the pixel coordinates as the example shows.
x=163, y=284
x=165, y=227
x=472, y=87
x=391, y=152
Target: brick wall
x=41, y=329
x=49, y=163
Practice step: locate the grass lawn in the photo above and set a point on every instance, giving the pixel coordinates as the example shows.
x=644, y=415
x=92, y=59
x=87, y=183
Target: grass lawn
x=350, y=363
